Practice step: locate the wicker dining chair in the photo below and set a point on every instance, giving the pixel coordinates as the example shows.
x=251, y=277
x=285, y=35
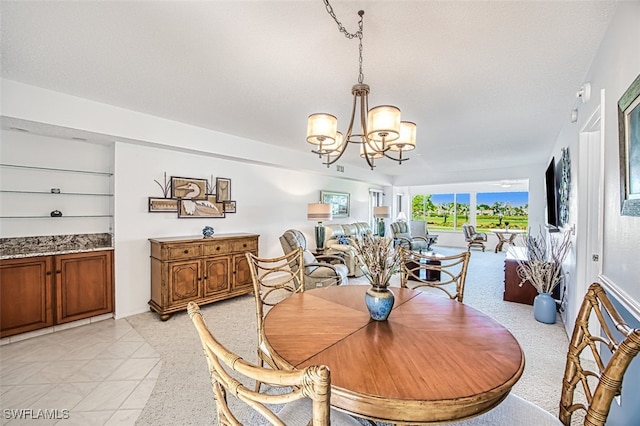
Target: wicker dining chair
x=274, y=279
x=429, y=270
x=305, y=392
x=599, y=387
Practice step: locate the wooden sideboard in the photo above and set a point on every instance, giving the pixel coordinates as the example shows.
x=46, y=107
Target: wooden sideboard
x=201, y=270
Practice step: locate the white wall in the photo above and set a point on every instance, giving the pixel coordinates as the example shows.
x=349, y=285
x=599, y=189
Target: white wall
x=269, y=201
x=614, y=68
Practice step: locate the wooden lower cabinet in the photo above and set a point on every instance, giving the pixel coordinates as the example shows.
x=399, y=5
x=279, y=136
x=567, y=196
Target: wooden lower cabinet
x=203, y=270
x=26, y=295
x=42, y=291
x=84, y=285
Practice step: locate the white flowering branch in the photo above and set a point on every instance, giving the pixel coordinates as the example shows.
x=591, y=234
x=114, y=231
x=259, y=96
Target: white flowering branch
x=542, y=266
x=379, y=260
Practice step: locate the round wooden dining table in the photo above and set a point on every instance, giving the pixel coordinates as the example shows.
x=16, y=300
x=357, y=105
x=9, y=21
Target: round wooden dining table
x=433, y=360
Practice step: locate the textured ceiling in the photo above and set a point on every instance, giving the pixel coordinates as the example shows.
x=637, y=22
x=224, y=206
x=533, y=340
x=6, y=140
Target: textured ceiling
x=488, y=83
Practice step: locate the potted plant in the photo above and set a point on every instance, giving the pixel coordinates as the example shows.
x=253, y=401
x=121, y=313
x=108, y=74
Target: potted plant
x=379, y=261
x=542, y=267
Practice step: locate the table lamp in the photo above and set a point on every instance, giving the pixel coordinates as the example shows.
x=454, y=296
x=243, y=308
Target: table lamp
x=319, y=212
x=401, y=217
x=380, y=213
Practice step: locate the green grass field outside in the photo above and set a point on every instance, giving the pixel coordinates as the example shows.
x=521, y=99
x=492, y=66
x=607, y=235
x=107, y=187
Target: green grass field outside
x=483, y=222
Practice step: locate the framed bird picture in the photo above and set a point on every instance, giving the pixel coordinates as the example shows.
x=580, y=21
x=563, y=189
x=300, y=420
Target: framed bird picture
x=210, y=207
x=191, y=188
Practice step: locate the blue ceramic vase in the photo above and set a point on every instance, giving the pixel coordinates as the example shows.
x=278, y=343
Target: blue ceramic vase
x=379, y=301
x=207, y=232
x=544, y=308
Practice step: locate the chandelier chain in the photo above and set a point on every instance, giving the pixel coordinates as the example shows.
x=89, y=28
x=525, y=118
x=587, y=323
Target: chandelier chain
x=381, y=134
x=347, y=34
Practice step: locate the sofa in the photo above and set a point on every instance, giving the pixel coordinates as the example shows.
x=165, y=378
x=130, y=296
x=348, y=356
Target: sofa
x=337, y=242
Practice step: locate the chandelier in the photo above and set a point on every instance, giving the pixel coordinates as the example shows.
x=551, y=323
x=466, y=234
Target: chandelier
x=381, y=134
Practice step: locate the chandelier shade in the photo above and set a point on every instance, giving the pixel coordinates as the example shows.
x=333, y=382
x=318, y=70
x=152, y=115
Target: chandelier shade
x=383, y=123
x=321, y=129
x=372, y=149
x=407, y=139
x=381, y=131
x=330, y=146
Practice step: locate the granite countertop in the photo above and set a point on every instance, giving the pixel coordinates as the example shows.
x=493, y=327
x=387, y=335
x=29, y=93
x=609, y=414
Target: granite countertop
x=47, y=245
x=51, y=253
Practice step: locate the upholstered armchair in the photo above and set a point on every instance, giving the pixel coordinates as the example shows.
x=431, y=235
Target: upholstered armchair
x=319, y=271
x=473, y=238
x=402, y=237
x=337, y=241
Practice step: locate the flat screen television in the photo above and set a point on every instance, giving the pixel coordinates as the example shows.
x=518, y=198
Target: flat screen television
x=552, y=196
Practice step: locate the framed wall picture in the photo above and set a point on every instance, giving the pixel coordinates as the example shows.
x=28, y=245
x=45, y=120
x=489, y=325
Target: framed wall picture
x=629, y=131
x=229, y=206
x=195, y=208
x=564, y=187
x=191, y=188
x=223, y=189
x=163, y=205
x=340, y=203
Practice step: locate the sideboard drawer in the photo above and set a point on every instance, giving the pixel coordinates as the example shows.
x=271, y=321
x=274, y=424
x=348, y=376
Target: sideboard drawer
x=219, y=247
x=185, y=251
x=244, y=245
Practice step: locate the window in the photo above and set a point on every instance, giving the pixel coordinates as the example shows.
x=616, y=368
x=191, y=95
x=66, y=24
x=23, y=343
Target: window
x=375, y=200
x=441, y=211
x=492, y=210
x=501, y=209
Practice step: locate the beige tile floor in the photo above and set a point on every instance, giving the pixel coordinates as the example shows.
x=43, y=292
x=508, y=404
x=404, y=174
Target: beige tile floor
x=100, y=373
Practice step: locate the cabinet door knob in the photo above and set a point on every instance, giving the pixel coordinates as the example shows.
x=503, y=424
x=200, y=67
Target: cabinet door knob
x=48, y=272
x=58, y=271
x=186, y=251
x=244, y=245
x=218, y=248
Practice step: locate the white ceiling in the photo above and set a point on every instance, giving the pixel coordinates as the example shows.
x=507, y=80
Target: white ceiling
x=488, y=83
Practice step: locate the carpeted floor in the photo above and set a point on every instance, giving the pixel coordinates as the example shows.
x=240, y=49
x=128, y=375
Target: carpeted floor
x=182, y=395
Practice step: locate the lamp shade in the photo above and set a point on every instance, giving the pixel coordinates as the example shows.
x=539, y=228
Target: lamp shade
x=407, y=139
x=319, y=212
x=331, y=147
x=401, y=217
x=382, y=212
x=321, y=128
x=371, y=149
x=383, y=123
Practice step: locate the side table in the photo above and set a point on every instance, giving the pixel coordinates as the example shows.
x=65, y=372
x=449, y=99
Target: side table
x=506, y=236
x=426, y=274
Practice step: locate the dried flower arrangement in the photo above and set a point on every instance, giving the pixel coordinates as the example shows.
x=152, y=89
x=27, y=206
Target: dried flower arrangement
x=378, y=259
x=542, y=266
